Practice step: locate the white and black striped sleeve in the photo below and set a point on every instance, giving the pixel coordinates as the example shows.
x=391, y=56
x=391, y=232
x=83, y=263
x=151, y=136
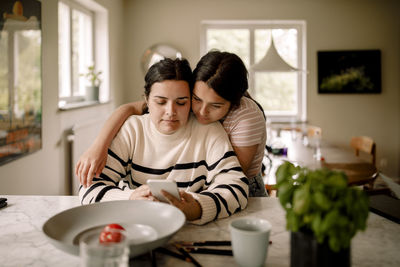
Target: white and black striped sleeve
x=107, y=186
x=228, y=188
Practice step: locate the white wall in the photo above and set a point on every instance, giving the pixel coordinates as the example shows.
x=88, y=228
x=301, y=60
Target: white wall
x=331, y=25
x=44, y=172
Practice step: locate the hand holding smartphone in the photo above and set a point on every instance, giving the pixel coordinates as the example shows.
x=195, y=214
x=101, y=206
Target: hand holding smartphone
x=157, y=185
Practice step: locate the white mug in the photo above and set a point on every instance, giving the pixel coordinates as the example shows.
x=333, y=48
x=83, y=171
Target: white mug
x=250, y=240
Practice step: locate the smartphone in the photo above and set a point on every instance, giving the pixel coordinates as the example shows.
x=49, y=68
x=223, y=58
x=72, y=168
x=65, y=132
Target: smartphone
x=157, y=185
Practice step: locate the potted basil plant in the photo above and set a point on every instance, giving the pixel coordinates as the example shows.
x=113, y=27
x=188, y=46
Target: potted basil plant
x=323, y=214
x=93, y=77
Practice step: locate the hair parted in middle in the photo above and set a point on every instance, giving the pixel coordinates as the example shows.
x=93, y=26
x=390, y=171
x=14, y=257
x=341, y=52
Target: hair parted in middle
x=168, y=69
x=225, y=73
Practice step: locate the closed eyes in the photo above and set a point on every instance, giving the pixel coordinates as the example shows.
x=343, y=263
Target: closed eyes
x=180, y=103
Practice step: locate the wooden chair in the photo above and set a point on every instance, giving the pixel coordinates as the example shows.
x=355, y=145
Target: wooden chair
x=314, y=131
x=314, y=136
x=362, y=173
x=364, y=144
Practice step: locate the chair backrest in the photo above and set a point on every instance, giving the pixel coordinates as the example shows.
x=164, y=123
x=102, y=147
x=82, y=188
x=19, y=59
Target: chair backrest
x=314, y=131
x=364, y=144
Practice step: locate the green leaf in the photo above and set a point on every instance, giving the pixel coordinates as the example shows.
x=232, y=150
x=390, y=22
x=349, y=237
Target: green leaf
x=285, y=193
x=322, y=201
x=301, y=200
x=283, y=173
x=337, y=179
x=334, y=243
x=342, y=221
x=329, y=220
x=92, y=76
x=293, y=221
x=316, y=227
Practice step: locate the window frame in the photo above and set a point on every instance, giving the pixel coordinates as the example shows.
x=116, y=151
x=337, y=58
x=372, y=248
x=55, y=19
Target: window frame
x=252, y=25
x=73, y=98
x=100, y=53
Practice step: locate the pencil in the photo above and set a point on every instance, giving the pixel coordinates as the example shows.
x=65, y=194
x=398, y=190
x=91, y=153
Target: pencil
x=205, y=243
x=189, y=258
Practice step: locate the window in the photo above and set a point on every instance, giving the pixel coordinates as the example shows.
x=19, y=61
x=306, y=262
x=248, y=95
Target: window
x=20, y=79
x=20, y=74
x=282, y=94
x=77, y=51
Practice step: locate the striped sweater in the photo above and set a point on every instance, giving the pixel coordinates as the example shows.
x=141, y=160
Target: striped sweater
x=198, y=157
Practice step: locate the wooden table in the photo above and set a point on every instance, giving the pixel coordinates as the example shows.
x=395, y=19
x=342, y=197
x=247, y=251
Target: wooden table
x=22, y=242
x=333, y=157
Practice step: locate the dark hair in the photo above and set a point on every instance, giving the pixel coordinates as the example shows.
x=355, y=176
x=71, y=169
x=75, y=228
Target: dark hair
x=225, y=73
x=168, y=69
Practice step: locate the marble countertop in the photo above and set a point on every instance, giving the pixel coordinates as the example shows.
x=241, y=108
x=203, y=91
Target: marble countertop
x=22, y=242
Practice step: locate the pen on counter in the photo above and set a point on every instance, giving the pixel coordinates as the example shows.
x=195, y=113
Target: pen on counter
x=225, y=252
x=3, y=202
x=189, y=258
x=205, y=243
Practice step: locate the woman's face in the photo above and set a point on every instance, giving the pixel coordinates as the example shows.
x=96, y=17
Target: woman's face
x=169, y=105
x=207, y=105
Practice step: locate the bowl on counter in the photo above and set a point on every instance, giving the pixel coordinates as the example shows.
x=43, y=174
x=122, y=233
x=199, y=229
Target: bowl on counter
x=149, y=224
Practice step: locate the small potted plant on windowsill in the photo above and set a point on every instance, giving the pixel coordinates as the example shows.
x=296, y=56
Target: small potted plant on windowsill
x=322, y=212
x=93, y=77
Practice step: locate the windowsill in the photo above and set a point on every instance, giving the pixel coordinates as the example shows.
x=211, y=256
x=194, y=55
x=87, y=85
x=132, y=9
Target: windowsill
x=82, y=104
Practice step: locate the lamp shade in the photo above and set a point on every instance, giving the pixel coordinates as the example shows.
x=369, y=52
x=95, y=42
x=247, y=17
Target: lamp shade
x=272, y=61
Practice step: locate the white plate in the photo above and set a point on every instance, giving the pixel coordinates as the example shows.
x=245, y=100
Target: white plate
x=149, y=224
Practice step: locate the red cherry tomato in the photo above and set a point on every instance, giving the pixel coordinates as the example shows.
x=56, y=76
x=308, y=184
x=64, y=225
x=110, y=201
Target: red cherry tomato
x=110, y=234
x=113, y=226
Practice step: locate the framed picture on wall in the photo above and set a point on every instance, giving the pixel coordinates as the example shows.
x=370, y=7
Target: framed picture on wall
x=20, y=79
x=349, y=72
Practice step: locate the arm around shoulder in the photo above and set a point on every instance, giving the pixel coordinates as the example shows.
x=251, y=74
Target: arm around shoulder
x=113, y=183
x=92, y=162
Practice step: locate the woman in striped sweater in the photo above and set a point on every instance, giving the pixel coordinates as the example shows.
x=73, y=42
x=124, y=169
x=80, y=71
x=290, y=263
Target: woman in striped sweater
x=219, y=94
x=169, y=143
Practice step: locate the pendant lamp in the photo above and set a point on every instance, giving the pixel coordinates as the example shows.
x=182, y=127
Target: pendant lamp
x=272, y=61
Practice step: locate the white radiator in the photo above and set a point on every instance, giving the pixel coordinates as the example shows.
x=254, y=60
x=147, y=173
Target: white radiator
x=79, y=138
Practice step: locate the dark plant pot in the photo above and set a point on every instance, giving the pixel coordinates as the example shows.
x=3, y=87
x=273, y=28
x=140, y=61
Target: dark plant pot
x=306, y=252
